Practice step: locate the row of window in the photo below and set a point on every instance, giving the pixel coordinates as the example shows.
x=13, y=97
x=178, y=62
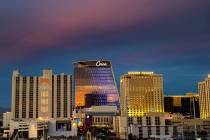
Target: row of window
x=31, y=98
x=148, y=121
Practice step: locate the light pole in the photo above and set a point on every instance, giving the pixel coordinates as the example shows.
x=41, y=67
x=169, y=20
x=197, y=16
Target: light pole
x=126, y=103
x=43, y=121
x=43, y=130
x=195, y=126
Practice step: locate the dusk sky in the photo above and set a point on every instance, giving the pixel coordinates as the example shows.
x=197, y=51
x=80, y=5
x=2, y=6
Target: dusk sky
x=171, y=37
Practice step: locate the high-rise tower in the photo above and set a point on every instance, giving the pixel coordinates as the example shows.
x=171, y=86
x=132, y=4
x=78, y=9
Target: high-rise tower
x=204, y=98
x=94, y=79
x=47, y=96
x=144, y=93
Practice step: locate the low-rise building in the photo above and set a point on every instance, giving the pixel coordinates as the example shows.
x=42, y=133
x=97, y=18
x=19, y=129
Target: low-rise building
x=153, y=125
x=192, y=128
x=38, y=128
x=183, y=104
x=99, y=118
x=6, y=119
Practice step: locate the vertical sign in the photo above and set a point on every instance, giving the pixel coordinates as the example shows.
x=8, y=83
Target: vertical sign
x=44, y=90
x=33, y=130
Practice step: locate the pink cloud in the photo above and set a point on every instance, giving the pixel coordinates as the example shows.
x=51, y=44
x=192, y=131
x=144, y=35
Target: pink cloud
x=52, y=22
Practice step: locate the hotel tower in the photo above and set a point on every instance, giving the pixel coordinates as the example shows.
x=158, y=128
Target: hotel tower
x=204, y=98
x=141, y=92
x=47, y=96
x=94, y=84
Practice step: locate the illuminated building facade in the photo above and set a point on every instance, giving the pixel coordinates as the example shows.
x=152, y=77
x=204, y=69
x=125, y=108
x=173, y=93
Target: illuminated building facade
x=182, y=104
x=95, y=77
x=47, y=96
x=144, y=92
x=204, y=100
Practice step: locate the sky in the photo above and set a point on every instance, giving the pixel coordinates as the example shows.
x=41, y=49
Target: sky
x=167, y=37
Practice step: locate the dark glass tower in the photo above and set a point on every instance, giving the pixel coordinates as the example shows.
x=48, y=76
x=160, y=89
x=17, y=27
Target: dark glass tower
x=95, y=77
x=182, y=104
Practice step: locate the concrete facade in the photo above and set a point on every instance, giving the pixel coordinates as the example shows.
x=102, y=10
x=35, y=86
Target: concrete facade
x=6, y=119
x=47, y=96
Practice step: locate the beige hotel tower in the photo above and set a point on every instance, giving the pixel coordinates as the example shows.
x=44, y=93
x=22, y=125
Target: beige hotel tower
x=204, y=98
x=47, y=96
x=144, y=92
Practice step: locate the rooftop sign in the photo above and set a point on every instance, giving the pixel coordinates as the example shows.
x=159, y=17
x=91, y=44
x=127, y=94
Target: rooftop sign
x=143, y=73
x=100, y=63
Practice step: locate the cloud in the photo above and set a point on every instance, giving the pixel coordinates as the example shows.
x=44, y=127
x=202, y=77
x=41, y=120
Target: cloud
x=30, y=27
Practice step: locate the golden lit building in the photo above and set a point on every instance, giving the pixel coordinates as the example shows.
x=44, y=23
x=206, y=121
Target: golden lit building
x=144, y=92
x=204, y=100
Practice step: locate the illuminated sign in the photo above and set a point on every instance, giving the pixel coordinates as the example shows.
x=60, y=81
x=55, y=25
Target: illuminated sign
x=99, y=63
x=33, y=130
x=44, y=89
x=143, y=73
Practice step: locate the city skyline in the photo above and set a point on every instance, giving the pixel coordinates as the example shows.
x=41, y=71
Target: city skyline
x=167, y=37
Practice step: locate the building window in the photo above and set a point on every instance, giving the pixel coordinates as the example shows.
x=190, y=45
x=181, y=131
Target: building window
x=63, y=126
x=148, y=120
x=166, y=130
x=65, y=96
x=157, y=120
x=130, y=121
x=17, y=94
x=140, y=132
x=167, y=122
x=149, y=131
x=139, y=120
x=58, y=96
x=24, y=98
x=175, y=131
x=31, y=88
x=157, y=130
x=37, y=97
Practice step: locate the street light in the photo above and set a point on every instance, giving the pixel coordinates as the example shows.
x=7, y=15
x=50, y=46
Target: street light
x=44, y=121
x=126, y=102
x=195, y=126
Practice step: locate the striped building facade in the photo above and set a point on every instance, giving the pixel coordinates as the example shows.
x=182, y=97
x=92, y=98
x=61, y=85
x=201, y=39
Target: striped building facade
x=47, y=96
x=204, y=98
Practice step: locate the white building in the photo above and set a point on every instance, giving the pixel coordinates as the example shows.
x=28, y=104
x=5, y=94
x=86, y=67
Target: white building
x=6, y=119
x=47, y=96
x=153, y=125
x=38, y=128
x=41, y=103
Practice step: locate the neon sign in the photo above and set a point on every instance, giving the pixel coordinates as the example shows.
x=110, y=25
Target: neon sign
x=99, y=63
